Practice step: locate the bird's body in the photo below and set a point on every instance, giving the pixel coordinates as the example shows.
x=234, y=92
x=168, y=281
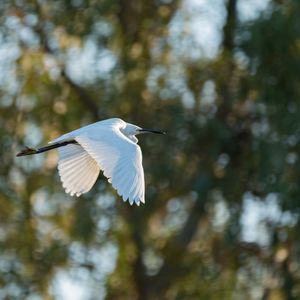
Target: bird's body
x=110, y=146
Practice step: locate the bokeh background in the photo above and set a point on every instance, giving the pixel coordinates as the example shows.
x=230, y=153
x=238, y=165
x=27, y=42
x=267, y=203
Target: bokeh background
x=221, y=219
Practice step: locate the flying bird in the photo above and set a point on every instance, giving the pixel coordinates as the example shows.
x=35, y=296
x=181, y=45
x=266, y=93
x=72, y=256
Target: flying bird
x=110, y=146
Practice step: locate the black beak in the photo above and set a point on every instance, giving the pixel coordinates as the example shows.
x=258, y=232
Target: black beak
x=145, y=130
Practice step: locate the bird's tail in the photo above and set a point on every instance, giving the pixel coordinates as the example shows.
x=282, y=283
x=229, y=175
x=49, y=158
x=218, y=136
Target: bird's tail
x=31, y=151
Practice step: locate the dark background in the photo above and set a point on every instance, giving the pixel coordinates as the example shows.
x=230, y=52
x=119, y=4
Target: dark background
x=221, y=219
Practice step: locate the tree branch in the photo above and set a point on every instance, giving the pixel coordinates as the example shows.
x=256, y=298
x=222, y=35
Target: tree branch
x=83, y=96
x=176, y=248
x=230, y=25
x=138, y=265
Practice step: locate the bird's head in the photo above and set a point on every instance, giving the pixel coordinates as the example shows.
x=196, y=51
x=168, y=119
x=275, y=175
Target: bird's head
x=131, y=131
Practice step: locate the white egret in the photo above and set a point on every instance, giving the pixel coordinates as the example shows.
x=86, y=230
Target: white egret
x=110, y=146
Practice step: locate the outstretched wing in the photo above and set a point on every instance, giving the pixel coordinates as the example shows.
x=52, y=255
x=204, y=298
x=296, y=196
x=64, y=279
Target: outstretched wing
x=119, y=158
x=78, y=171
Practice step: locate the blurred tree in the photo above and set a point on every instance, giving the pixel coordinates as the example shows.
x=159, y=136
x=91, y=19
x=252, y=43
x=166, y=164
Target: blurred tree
x=231, y=153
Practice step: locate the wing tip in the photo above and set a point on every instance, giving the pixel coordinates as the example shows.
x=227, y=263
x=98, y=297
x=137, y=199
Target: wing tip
x=73, y=193
x=133, y=201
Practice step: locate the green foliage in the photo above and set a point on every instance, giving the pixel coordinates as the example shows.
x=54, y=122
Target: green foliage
x=233, y=139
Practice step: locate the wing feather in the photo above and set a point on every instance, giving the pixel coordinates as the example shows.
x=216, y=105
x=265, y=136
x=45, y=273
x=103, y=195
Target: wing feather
x=119, y=158
x=78, y=171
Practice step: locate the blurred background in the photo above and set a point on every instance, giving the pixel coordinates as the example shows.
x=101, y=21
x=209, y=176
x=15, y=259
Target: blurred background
x=221, y=219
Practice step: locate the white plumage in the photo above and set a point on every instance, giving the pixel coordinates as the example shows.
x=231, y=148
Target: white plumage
x=77, y=169
x=110, y=146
